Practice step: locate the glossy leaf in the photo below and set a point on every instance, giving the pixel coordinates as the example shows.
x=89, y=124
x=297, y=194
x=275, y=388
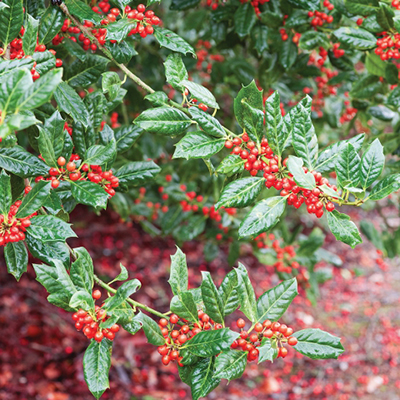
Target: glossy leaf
x=343, y=229
x=385, y=187
x=214, y=307
x=96, y=364
x=123, y=293
x=50, y=24
x=84, y=73
x=372, y=163
x=202, y=379
x=240, y=193
x=303, y=179
x=89, y=193
x=198, y=145
x=358, y=39
x=81, y=272
x=82, y=11
x=244, y=19
x=274, y=302
x=5, y=193
x=207, y=122
x=21, y=163
x=263, y=216
x=163, y=120
x=16, y=258
x=245, y=291
x=347, y=166
x=184, y=306
x=200, y=93
x=175, y=71
x=13, y=87
x=34, y=199
x=317, y=344
x=11, y=20
x=100, y=155
x=126, y=137
x=82, y=299
x=136, y=173
x=69, y=102
x=275, y=128
x=228, y=293
x=48, y=228
x=47, y=251
x=178, y=279
x=267, y=351
x=230, y=365
x=172, y=41
x=211, y=343
x=151, y=329
x=231, y=165
x=29, y=41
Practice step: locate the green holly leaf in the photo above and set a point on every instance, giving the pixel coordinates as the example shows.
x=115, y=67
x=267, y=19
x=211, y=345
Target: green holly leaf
x=366, y=87
x=347, y=166
x=99, y=154
x=372, y=163
x=303, y=179
x=123, y=293
x=277, y=133
x=358, y=39
x=172, y=41
x=48, y=251
x=311, y=40
x=81, y=272
x=29, y=41
x=48, y=228
x=211, y=343
x=82, y=299
x=385, y=16
x=85, y=73
x=14, y=86
x=5, y=193
x=304, y=139
x=136, y=173
x=34, y=199
x=318, y=344
x=385, y=187
x=268, y=351
x=343, y=229
x=21, y=163
x=11, y=20
x=231, y=165
x=327, y=158
x=178, y=279
x=251, y=96
x=244, y=19
x=175, y=71
x=214, y=307
x=230, y=365
x=200, y=93
x=263, y=216
x=89, y=193
x=274, y=302
x=163, y=120
x=202, y=379
x=228, y=293
x=305, y=4
x=96, y=364
x=151, y=329
x=50, y=24
x=207, y=122
x=126, y=137
x=184, y=305
x=288, y=54
x=245, y=291
x=69, y=102
x=240, y=193
x=82, y=11
x=16, y=258
x=362, y=7
x=198, y=145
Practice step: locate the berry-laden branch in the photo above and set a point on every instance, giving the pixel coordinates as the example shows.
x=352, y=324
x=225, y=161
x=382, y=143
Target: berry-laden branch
x=86, y=31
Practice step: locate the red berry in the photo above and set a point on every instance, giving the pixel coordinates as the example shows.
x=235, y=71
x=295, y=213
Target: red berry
x=292, y=341
x=61, y=161
x=96, y=294
x=71, y=166
x=174, y=319
x=240, y=323
x=98, y=336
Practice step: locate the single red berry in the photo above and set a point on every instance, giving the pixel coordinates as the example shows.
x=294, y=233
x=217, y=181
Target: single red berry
x=240, y=323
x=98, y=336
x=71, y=166
x=292, y=341
x=96, y=294
x=174, y=319
x=61, y=161
x=166, y=359
x=55, y=183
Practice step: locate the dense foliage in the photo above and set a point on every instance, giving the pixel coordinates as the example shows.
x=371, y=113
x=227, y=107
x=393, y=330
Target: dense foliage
x=272, y=105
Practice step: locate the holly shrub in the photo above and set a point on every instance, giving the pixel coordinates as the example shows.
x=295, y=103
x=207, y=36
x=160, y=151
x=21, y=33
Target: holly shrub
x=197, y=119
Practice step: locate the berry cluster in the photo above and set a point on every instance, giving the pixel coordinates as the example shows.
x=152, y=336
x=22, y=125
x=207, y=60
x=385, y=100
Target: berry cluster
x=284, y=255
x=319, y=62
x=279, y=334
x=13, y=229
x=89, y=322
x=349, y=112
x=319, y=18
x=388, y=46
x=277, y=176
x=177, y=336
x=205, y=59
x=336, y=51
x=396, y=4
x=145, y=20
x=70, y=171
x=380, y=261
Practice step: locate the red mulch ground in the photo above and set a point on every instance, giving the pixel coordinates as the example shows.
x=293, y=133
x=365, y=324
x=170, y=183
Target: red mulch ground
x=41, y=352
